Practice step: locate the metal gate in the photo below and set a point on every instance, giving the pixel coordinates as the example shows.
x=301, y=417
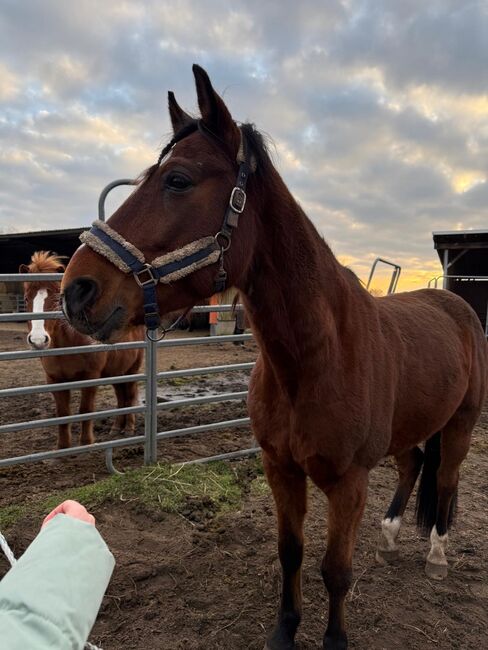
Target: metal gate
x=150, y=377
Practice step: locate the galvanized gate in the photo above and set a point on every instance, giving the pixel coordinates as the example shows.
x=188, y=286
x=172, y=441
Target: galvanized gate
x=150, y=377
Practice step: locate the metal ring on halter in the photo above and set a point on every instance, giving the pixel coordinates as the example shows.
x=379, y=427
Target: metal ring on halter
x=226, y=238
x=162, y=333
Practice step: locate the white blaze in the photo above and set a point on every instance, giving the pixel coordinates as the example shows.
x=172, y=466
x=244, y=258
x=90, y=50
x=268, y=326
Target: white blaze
x=38, y=334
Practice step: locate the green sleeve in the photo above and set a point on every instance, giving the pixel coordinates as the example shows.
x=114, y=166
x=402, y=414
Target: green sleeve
x=50, y=598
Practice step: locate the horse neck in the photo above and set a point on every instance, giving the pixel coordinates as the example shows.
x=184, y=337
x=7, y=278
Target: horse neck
x=297, y=295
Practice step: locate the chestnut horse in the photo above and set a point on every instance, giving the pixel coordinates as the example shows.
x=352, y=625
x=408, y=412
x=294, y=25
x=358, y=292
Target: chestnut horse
x=343, y=378
x=43, y=297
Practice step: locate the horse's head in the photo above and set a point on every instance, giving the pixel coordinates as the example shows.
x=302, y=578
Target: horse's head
x=41, y=297
x=171, y=221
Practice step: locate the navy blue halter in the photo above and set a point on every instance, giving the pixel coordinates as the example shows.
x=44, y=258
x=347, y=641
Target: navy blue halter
x=147, y=275
x=181, y=262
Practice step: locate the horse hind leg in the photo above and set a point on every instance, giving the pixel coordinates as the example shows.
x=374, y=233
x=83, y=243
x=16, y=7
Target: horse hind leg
x=131, y=398
x=126, y=396
x=437, y=495
x=409, y=464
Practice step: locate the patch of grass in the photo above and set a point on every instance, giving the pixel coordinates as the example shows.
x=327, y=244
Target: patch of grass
x=162, y=487
x=10, y=514
x=260, y=487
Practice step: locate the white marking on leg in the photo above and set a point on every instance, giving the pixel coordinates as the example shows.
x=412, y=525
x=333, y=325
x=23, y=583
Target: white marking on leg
x=437, y=553
x=389, y=532
x=38, y=335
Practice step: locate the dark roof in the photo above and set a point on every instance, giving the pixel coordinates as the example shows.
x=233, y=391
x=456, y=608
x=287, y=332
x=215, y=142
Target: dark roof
x=460, y=239
x=16, y=248
x=41, y=233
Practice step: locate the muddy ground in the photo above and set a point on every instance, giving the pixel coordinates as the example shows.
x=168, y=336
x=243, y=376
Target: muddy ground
x=200, y=582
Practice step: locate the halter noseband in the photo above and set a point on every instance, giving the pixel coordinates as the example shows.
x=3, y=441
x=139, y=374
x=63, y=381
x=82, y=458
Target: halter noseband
x=183, y=261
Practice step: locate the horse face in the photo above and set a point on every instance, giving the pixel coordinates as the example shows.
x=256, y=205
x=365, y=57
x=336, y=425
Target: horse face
x=39, y=298
x=181, y=200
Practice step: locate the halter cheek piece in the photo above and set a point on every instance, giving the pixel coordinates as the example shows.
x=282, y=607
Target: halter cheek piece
x=183, y=261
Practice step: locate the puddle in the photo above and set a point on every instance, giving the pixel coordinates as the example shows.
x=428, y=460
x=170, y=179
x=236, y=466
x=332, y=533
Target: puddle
x=201, y=386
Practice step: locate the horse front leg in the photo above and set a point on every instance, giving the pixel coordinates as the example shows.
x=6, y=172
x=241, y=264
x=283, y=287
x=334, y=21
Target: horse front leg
x=290, y=494
x=347, y=498
x=87, y=404
x=119, y=424
x=62, y=399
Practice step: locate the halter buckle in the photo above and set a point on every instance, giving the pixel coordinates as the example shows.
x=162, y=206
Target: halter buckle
x=152, y=280
x=237, y=200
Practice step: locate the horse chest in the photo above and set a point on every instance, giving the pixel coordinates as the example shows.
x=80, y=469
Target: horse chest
x=308, y=427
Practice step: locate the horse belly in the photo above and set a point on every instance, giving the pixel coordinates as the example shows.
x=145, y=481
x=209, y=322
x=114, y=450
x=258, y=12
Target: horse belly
x=425, y=410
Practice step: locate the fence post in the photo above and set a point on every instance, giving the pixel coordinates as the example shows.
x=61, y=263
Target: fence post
x=151, y=419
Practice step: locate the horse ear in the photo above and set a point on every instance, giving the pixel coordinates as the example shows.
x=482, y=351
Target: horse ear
x=215, y=113
x=23, y=268
x=179, y=118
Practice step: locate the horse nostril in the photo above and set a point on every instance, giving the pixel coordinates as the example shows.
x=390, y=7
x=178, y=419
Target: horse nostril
x=80, y=294
x=29, y=339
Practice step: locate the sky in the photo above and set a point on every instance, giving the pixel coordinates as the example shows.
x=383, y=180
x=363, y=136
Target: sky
x=377, y=110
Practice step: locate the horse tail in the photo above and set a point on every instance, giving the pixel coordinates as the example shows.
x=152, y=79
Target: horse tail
x=426, y=506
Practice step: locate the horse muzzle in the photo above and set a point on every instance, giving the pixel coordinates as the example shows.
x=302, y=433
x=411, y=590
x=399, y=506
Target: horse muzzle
x=38, y=341
x=78, y=301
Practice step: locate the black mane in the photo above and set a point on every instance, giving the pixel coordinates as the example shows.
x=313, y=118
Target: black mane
x=256, y=145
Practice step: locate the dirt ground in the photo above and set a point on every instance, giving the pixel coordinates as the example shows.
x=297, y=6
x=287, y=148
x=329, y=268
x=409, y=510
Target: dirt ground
x=197, y=582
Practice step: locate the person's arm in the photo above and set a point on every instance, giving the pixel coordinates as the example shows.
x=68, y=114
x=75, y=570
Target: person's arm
x=50, y=598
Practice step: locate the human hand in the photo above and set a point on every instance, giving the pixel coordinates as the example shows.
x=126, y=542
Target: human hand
x=72, y=509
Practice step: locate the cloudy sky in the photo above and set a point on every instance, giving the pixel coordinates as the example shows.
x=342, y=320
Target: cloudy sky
x=378, y=109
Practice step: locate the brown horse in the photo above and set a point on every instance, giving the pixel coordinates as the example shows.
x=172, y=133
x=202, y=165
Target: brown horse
x=343, y=378
x=43, y=297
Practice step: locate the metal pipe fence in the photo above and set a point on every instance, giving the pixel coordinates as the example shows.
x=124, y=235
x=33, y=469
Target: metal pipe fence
x=433, y=282
x=150, y=377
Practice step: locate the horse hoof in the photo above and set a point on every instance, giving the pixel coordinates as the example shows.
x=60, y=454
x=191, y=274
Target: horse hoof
x=280, y=643
x=435, y=571
x=335, y=643
x=385, y=557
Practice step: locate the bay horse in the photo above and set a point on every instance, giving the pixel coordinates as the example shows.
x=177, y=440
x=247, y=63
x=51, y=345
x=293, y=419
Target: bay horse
x=44, y=297
x=343, y=378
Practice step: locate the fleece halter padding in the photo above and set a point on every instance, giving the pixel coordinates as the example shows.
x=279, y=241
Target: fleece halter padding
x=167, y=268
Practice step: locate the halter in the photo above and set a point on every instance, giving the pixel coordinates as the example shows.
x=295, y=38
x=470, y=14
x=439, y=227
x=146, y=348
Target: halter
x=183, y=261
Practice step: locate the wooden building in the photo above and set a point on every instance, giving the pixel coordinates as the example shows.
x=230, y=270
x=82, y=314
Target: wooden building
x=464, y=258
x=17, y=249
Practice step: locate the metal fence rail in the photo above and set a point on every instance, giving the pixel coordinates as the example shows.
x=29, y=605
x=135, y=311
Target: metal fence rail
x=433, y=282
x=150, y=377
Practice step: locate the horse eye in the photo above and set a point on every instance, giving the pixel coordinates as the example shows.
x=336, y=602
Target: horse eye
x=177, y=182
